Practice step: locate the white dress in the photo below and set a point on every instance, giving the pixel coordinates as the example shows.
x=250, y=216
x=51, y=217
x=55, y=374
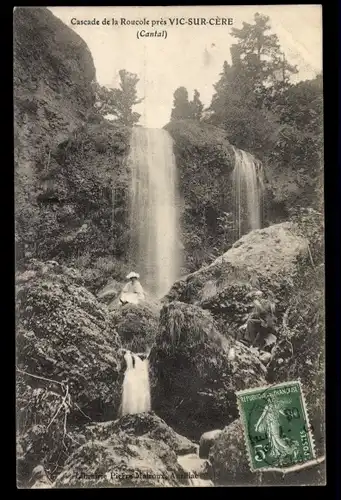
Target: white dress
x=132, y=293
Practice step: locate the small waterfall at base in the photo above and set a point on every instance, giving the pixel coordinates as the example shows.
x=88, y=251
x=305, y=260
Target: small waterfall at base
x=154, y=245
x=248, y=187
x=136, y=387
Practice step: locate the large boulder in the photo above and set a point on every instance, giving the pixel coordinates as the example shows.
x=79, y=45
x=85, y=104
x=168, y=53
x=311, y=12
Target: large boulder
x=65, y=334
x=229, y=459
x=193, y=377
x=136, y=325
x=143, y=424
x=68, y=362
x=267, y=255
x=230, y=465
x=206, y=442
x=137, y=450
x=266, y=259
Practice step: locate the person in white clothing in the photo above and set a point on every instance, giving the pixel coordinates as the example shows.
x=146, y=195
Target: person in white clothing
x=132, y=292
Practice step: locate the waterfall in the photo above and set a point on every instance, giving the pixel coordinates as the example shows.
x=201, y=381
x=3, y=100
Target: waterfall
x=247, y=181
x=154, y=244
x=136, y=387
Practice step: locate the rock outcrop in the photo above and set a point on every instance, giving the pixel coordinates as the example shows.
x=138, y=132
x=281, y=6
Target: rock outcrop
x=136, y=325
x=206, y=442
x=205, y=160
x=266, y=259
x=53, y=71
x=193, y=379
x=230, y=464
x=69, y=368
x=137, y=450
x=67, y=158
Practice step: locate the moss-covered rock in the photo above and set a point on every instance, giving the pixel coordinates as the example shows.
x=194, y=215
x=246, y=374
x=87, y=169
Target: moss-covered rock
x=65, y=334
x=66, y=164
x=68, y=362
x=205, y=160
x=266, y=259
x=137, y=450
x=193, y=379
x=229, y=459
x=230, y=464
x=144, y=424
x=136, y=325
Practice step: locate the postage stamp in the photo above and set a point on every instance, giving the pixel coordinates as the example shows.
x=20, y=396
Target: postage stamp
x=276, y=426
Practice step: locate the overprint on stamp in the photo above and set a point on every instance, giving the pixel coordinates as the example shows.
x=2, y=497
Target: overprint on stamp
x=276, y=426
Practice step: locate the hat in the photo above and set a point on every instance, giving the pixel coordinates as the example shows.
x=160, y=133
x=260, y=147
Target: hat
x=132, y=275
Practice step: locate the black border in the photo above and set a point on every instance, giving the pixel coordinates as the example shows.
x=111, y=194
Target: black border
x=331, y=71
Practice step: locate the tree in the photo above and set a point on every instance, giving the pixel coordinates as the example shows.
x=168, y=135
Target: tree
x=261, y=55
x=247, y=93
x=196, y=106
x=300, y=115
x=120, y=101
x=181, y=107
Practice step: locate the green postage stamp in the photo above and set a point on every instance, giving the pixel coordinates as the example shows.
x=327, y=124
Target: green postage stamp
x=276, y=426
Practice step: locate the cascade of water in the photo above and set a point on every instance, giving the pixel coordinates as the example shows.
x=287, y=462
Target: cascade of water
x=247, y=180
x=136, y=387
x=154, y=243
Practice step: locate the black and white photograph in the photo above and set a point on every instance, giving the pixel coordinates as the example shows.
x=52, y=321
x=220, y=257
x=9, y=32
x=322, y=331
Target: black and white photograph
x=169, y=246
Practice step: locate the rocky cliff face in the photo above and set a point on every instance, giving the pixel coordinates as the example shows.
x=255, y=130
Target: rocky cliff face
x=67, y=159
x=205, y=160
x=53, y=71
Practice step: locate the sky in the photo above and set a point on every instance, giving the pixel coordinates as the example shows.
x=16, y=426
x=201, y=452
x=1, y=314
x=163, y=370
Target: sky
x=190, y=56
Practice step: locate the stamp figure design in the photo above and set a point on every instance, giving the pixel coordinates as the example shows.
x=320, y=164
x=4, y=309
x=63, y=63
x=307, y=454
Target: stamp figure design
x=276, y=426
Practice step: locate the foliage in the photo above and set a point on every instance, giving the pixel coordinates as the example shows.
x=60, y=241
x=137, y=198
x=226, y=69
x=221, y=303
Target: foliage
x=240, y=102
x=300, y=351
x=309, y=223
x=99, y=272
x=264, y=113
x=136, y=325
x=78, y=199
x=196, y=106
x=187, y=326
x=204, y=160
x=120, y=101
x=181, y=107
x=260, y=56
